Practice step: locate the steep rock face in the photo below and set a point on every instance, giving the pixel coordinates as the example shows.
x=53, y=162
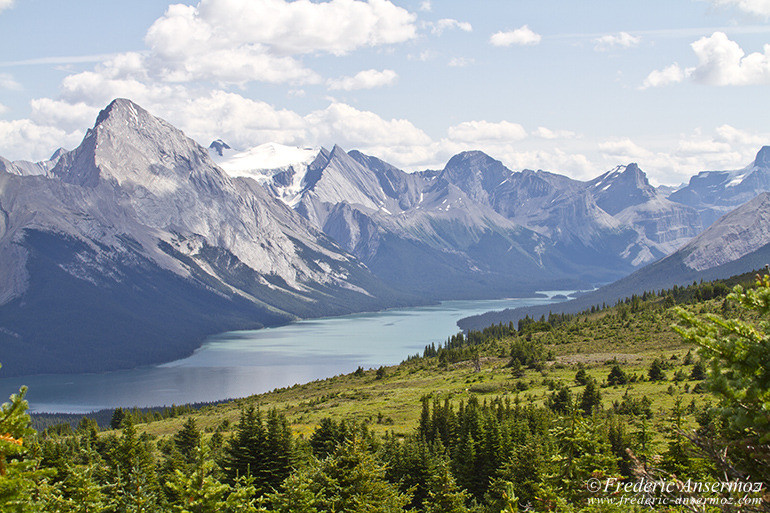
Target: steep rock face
x=738, y=233
x=623, y=187
x=714, y=193
x=137, y=213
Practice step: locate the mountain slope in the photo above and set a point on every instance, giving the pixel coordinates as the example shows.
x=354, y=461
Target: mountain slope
x=737, y=243
x=418, y=232
x=617, y=220
x=136, y=245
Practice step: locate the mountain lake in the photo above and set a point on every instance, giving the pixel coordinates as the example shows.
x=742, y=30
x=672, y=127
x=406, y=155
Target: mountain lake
x=242, y=363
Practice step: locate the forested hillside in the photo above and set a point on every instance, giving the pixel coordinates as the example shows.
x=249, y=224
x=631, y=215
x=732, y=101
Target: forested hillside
x=560, y=413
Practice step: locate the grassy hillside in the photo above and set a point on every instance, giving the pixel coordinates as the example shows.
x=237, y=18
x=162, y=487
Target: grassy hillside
x=631, y=334
x=511, y=417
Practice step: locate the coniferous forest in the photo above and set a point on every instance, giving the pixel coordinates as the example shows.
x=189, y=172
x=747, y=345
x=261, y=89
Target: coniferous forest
x=659, y=402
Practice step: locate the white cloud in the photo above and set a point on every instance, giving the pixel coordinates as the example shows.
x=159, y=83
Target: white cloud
x=755, y=7
x=336, y=26
x=477, y=131
x=5, y=4
x=440, y=26
x=425, y=6
x=670, y=75
x=367, y=79
x=521, y=36
x=546, y=133
x=460, y=62
x=623, y=148
x=3, y=109
x=723, y=62
x=7, y=82
x=239, y=41
x=736, y=137
x=619, y=40
x=71, y=117
x=25, y=139
x=352, y=128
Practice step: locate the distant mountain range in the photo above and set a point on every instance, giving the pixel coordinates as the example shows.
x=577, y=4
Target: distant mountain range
x=133, y=247
x=738, y=242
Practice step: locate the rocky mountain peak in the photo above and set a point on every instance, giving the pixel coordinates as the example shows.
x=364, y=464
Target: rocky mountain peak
x=763, y=157
x=128, y=145
x=476, y=174
x=219, y=147
x=621, y=187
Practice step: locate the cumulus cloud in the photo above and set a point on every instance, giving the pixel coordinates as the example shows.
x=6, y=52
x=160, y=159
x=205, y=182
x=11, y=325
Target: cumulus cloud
x=425, y=6
x=623, y=148
x=336, y=26
x=24, y=139
x=721, y=62
x=5, y=4
x=670, y=75
x=440, y=26
x=345, y=125
x=237, y=41
x=7, y=82
x=619, y=40
x=3, y=109
x=368, y=79
x=479, y=131
x=754, y=7
x=522, y=36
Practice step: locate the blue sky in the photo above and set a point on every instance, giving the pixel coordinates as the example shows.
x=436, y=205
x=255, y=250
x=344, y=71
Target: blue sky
x=571, y=87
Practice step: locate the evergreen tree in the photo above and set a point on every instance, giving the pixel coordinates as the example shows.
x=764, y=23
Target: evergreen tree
x=581, y=377
x=117, y=418
x=698, y=371
x=656, y=373
x=738, y=355
x=21, y=482
x=200, y=491
x=590, y=399
x=616, y=376
x=187, y=440
x=350, y=480
x=443, y=494
x=329, y=435
x=130, y=472
x=560, y=401
x=258, y=450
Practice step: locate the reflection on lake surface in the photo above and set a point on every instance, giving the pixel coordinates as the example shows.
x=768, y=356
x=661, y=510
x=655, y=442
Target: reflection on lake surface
x=241, y=363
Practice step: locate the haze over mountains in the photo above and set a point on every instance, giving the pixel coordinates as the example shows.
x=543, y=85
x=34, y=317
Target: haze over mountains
x=137, y=244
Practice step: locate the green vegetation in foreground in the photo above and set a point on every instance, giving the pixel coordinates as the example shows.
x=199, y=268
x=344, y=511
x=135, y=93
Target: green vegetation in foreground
x=531, y=416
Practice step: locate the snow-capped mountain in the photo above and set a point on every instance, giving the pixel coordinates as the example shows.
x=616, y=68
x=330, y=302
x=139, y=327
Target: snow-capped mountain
x=714, y=193
x=135, y=245
x=281, y=168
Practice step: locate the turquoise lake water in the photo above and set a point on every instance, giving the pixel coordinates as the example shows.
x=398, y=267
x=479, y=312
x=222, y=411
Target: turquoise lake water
x=241, y=363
